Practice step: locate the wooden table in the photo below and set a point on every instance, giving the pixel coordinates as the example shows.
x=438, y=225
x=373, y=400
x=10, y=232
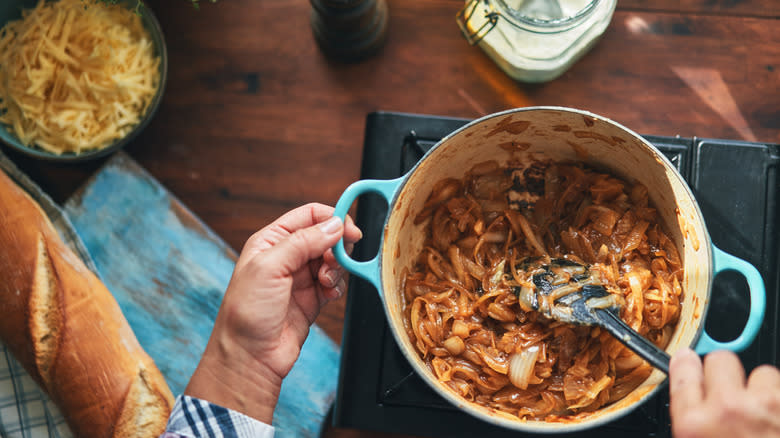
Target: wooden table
x=256, y=121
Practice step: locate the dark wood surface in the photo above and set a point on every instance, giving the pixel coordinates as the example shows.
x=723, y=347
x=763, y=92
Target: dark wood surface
x=256, y=120
x=757, y=8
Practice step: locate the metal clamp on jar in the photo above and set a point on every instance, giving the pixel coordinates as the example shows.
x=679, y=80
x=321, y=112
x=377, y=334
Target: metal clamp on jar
x=535, y=40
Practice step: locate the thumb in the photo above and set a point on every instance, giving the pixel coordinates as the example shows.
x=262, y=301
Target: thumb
x=294, y=252
x=686, y=382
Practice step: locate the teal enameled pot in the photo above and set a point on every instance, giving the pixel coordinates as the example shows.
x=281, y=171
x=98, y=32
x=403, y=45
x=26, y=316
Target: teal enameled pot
x=559, y=134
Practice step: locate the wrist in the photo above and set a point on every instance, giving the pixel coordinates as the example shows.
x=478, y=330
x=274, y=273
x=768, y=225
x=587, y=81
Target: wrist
x=229, y=377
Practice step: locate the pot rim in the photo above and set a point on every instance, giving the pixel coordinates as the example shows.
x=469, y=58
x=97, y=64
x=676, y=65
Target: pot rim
x=482, y=412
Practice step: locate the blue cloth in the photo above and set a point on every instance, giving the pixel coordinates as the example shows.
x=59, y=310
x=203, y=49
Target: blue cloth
x=192, y=417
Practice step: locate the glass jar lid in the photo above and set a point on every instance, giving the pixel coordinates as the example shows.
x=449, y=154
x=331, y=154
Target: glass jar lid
x=546, y=15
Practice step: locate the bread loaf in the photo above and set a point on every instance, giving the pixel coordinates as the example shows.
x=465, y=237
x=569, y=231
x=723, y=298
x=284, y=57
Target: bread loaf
x=67, y=330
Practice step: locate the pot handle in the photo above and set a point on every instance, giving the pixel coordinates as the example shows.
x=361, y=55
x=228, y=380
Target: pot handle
x=724, y=261
x=368, y=270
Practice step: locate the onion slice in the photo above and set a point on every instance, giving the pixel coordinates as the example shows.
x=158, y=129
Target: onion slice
x=521, y=366
x=605, y=302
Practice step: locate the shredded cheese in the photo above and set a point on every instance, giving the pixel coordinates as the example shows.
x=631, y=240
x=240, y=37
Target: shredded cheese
x=75, y=75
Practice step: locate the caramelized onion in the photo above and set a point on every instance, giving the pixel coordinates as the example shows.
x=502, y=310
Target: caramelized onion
x=460, y=328
x=471, y=304
x=526, y=296
x=605, y=302
x=454, y=345
x=521, y=366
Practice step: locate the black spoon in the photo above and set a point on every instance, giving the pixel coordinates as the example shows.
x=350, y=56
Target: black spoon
x=585, y=309
x=581, y=302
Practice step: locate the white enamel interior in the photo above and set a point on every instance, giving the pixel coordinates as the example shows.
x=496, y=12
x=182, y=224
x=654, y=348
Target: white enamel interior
x=552, y=132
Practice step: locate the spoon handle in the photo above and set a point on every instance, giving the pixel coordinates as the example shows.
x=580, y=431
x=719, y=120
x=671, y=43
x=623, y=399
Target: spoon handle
x=631, y=339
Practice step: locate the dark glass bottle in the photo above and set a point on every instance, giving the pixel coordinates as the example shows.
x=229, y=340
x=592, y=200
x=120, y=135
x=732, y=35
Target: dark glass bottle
x=349, y=30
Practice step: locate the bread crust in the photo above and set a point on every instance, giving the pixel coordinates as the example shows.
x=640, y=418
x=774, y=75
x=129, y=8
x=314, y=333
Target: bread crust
x=68, y=331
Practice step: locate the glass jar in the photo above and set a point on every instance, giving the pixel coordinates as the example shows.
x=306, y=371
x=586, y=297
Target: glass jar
x=535, y=40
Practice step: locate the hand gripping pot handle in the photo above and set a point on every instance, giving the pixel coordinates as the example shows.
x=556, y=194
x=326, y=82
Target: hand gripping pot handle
x=368, y=270
x=723, y=261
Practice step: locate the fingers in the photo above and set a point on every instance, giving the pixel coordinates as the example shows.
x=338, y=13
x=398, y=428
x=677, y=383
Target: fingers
x=314, y=213
x=710, y=398
x=331, y=274
x=305, y=216
x=294, y=241
x=332, y=281
x=723, y=375
x=303, y=245
x=351, y=233
x=686, y=382
x=765, y=378
x=281, y=228
x=297, y=219
x=336, y=292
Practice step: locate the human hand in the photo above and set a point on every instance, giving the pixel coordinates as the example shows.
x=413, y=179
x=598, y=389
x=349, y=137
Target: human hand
x=285, y=274
x=713, y=399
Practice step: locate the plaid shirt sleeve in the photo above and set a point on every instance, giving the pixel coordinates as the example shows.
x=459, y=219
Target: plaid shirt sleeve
x=192, y=417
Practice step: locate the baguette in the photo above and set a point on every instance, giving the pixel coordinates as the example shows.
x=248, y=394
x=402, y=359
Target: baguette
x=67, y=330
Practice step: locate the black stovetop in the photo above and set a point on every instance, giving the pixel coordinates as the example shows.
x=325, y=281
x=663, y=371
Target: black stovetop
x=737, y=187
